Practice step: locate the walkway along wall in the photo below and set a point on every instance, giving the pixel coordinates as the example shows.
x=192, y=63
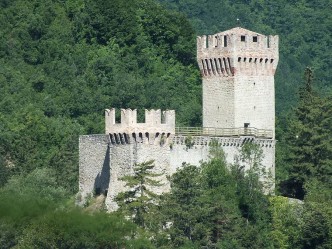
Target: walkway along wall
x=103, y=160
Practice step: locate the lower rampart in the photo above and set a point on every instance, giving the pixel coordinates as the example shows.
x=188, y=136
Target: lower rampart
x=104, y=159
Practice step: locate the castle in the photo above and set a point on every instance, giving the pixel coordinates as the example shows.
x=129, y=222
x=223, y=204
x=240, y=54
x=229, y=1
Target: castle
x=237, y=67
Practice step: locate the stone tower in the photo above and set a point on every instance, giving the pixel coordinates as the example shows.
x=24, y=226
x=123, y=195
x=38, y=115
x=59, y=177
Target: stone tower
x=238, y=69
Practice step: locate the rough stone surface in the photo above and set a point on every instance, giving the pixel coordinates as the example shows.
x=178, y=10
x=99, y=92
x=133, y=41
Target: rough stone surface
x=94, y=165
x=238, y=69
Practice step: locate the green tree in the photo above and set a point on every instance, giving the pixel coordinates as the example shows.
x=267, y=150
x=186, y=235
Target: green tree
x=286, y=222
x=310, y=140
x=139, y=200
x=184, y=211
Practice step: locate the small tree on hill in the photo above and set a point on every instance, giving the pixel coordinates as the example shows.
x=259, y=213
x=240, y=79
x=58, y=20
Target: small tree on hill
x=139, y=200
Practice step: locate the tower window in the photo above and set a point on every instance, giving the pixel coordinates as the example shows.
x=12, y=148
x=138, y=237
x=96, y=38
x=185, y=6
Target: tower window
x=225, y=41
x=243, y=38
x=254, y=38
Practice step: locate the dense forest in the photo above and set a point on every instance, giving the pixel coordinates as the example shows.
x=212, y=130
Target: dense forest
x=62, y=62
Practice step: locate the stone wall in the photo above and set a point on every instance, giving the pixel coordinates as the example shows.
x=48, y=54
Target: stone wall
x=155, y=121
x=254, y=102
x=103, y=162
x=238, y=68
x=94, y=164
x=218, y=102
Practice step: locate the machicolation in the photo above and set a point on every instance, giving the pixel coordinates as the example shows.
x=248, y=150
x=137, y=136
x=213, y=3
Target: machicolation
x=237, y=68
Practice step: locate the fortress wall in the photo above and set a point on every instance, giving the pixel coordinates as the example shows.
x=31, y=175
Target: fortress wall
x=199, y=152
x=155, y=121
x=93, y=164
x=218, y=102
x=103, y=162
x=254, y=98
x=123, y=157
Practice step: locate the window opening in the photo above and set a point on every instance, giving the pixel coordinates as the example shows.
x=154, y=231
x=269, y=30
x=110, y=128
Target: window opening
x=243, y=38
x=254, y=39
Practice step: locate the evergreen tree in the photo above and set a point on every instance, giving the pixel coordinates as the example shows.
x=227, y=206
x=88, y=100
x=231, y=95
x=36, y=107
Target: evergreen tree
x=310, y=139
x=139, y=200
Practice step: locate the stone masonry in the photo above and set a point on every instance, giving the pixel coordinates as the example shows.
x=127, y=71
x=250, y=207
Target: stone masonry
x=237, y=68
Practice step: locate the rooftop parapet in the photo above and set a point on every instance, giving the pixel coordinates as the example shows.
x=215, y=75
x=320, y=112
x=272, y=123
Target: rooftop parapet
x=228, y=50
x=156, y=121
x=238, y=38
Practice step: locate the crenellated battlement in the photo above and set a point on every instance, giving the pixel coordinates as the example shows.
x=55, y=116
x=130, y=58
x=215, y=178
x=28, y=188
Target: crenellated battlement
x=156, y=121
x=237, y=51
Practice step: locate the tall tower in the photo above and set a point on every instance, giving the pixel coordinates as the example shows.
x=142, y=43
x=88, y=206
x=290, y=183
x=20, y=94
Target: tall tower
x=238, y=68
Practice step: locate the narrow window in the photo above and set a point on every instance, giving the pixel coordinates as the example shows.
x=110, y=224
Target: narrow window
x=271, y=60
x=243, y=38
x=239, y=59
x=225, y=41
x=250, y=59
x=254, y=38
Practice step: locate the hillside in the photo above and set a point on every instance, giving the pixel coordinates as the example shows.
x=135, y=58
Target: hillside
x=62, y=62
x=304, y=28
